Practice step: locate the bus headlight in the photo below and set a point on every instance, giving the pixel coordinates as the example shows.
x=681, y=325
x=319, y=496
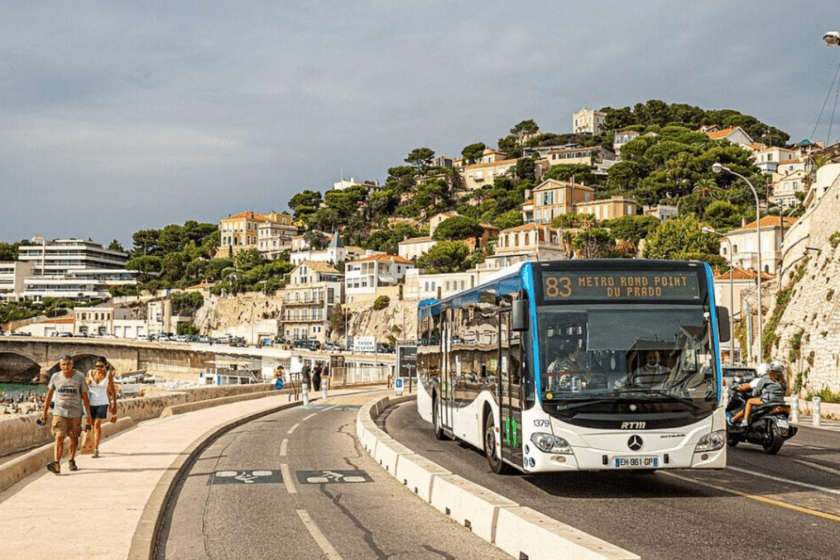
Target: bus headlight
x=548, y=443
x=711, y=442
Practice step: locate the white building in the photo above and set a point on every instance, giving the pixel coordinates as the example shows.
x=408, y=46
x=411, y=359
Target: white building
x=365, y=275
x=102, y=321
x=12, y=275
x=74, y=269
x=312, y=291
x=745, y=240
x=588, y=120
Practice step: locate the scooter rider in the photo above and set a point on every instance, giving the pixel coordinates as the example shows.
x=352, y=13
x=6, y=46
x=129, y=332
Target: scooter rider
x=768, y=387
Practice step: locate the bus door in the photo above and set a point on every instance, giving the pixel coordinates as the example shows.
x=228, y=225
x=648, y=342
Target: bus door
x=509, y=389
x=447, y=392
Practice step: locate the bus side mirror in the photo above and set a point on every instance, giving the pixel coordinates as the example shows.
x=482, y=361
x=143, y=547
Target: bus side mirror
x=723, y=323
x=519, y=315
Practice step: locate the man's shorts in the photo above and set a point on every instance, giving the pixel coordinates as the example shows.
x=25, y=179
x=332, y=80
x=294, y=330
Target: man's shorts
x=66, y=427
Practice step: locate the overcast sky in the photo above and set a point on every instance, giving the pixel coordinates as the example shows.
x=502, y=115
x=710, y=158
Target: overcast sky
x=129, y=115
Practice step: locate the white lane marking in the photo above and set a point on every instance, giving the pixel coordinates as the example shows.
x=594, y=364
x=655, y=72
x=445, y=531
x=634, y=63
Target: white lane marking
x=332, y=554
x=816, y=466
x=287, y=478
x=293, y=428
x=786, y=481
x=283, y=447
x=310, y=416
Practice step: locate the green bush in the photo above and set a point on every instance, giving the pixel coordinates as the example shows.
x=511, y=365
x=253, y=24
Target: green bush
x=381, y=303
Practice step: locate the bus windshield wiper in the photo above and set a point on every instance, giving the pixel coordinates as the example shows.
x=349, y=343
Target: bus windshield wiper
x=687, y=402
x=581, y=403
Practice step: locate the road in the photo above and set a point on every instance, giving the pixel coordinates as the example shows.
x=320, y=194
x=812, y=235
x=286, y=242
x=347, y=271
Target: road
x=760, y=506
x=296, y=484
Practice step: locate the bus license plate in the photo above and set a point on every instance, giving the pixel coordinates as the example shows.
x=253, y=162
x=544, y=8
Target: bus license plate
x=636, y=462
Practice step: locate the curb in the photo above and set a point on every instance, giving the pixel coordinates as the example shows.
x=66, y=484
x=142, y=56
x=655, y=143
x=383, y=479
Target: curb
x=519, y=531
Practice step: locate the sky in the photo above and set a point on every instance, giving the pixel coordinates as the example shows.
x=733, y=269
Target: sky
x=130, y=115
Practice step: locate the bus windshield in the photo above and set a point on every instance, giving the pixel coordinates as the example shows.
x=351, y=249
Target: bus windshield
x=626, y=351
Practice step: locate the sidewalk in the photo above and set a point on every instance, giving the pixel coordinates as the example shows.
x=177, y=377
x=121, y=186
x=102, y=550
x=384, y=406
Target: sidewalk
x=108, y=508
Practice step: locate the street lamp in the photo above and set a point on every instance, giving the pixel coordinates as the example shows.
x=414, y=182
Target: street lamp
x=719, y=168
x=731, y=296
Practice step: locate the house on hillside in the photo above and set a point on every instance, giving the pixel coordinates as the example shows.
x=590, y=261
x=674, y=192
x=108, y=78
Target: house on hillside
x=744, y=244
x=364, y=275
x=312, y=290
x=528, y=242
x=609, y=208
x=241, y=231
x=588, y=120
x=734, y=134
x=553, y=198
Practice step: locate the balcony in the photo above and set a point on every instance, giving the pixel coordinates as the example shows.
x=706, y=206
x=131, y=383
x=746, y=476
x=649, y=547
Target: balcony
x=303, y=302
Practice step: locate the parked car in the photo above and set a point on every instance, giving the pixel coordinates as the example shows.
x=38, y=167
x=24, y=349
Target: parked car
x=307, y=344
x=163, y=337
x=183, y=338
x=333, y=347
x=384, y=348
x=142, y=337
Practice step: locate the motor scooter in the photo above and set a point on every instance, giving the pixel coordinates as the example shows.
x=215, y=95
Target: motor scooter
x=769, y=424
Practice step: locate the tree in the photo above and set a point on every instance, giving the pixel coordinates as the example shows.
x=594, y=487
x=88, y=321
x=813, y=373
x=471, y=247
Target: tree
x=681, y=239
x=595, y=243
x=315, y=239
x=631, y=228
x=421, y=158
x=473, y=152
x=306, y=201
x=114, y=246
x=445, y=256
x=565, y=172
x=525, y=127
x=722, y=215
x=457, y=227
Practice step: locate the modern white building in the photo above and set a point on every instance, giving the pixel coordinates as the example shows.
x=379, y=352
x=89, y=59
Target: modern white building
x=74, y=269
x=363, y=276
x=12, y=275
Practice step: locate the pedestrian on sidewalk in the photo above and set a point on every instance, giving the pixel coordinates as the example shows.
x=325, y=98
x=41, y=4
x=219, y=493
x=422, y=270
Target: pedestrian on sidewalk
x=316, y=377
x=103, y=398
x=71, y=400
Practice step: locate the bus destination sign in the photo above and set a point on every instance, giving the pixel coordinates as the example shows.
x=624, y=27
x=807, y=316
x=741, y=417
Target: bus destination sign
x=574, y=285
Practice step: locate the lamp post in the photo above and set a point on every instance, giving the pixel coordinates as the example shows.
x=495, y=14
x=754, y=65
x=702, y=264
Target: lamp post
x=731, y=296
x=719, y=168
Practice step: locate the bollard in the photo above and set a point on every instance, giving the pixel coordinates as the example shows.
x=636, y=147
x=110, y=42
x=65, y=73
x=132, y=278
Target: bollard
x=794, y=408
x=324, y=390
x=304, y=391
x=816, y=416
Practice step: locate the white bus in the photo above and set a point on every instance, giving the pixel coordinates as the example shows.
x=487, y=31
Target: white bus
x=544, y=367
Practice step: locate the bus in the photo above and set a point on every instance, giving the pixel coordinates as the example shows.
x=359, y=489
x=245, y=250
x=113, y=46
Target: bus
x=490, y=368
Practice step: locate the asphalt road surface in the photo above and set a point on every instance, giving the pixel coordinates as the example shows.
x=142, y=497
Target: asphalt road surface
x=761, y=506
x=296, y=485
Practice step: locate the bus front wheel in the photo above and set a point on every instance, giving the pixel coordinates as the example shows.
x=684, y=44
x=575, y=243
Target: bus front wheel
x=494, y=455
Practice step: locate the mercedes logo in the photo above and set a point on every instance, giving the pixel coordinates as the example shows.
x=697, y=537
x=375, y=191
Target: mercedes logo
x=635, y=443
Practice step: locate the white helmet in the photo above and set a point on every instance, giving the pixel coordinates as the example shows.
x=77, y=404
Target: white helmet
x=778, y=366
x=763, y=369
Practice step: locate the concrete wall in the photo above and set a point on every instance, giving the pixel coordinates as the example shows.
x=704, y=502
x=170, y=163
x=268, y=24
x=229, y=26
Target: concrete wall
x=19, y=433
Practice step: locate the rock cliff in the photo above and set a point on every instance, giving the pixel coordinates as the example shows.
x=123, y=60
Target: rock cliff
x=808, y=331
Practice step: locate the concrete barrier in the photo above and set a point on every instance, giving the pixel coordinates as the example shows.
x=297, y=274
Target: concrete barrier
x=519, y=531
x=417, y=474
x=469, y=504
x=525, y=533
x=189, y=407
x=29, y=463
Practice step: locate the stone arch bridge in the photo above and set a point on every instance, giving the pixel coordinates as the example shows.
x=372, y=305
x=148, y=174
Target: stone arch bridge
x=35, y=359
